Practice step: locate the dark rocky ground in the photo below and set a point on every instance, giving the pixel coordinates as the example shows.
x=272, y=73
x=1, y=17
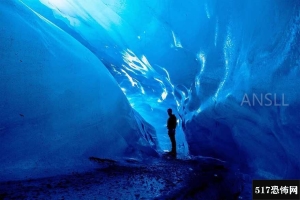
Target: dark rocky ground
x=162, y=178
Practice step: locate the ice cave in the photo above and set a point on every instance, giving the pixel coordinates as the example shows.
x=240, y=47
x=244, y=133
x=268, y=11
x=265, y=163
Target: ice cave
x=82, y=79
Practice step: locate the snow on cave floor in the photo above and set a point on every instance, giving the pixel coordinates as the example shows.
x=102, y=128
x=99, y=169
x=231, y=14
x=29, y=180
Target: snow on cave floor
x=162, y=178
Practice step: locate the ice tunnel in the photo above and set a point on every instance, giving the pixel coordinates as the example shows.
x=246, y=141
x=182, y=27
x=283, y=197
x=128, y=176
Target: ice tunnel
x=95, y=78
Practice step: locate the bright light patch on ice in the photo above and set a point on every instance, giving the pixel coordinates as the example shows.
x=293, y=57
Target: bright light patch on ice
x=142, y=90
x=134, y=62
x=202, y=58
x=59, y=4
x=228, y=47
x=67, y=9
x=76, y=11
x=207, y=11
x=133, y=83
x=124, y=90
x=176, y=40
x=146, y=62
x=165, y=92
x=216, y=32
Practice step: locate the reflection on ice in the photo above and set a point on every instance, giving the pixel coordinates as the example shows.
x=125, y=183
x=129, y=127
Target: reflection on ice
x=176, y=40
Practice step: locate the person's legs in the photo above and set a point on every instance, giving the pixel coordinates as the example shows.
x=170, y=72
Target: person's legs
x=173, y=141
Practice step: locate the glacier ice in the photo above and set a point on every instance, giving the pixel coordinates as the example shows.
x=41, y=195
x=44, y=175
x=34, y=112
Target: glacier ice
x=59, y=104
x=200, y=57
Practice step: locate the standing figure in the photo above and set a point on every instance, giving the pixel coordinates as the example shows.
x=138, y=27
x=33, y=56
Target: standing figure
x=171, y=125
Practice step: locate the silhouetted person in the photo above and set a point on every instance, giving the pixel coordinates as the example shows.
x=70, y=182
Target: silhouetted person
x=171, y=125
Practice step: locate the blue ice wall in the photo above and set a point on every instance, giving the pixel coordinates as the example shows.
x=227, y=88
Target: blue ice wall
x=59, y=105
x=202, y=58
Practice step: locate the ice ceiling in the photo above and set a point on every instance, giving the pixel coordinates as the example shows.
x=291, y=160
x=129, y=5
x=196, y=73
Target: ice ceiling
x=229, y=70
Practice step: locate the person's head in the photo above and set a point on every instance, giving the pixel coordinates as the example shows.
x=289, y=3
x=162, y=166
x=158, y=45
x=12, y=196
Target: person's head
x=169, y=111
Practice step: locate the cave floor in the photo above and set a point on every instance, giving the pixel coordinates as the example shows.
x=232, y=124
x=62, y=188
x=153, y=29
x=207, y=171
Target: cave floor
x=162, y=178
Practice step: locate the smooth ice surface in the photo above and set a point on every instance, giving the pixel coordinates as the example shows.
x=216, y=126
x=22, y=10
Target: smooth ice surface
x=201, y=58
x=59, y=104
